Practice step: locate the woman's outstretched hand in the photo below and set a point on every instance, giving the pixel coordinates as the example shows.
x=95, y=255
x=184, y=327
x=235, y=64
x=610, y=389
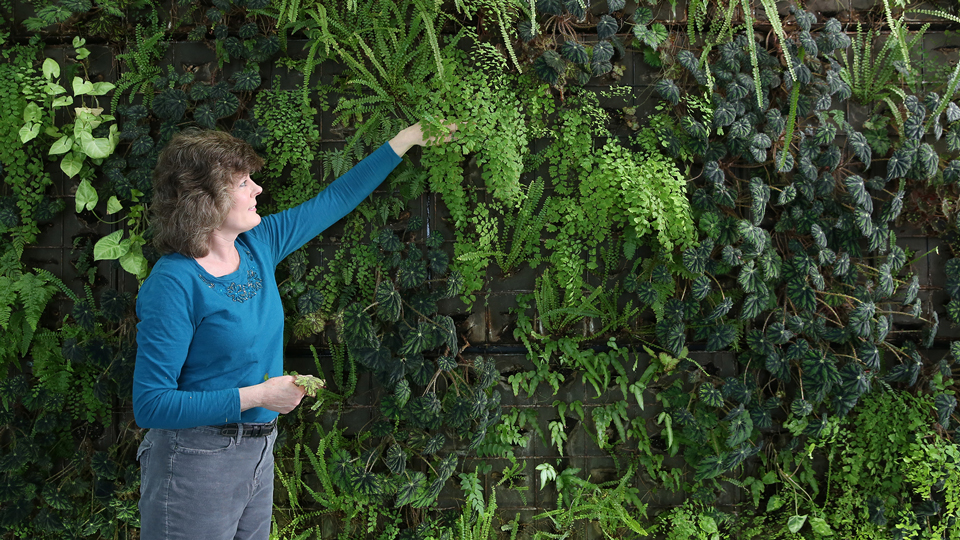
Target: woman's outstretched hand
x=414, y=136
x=278, y=394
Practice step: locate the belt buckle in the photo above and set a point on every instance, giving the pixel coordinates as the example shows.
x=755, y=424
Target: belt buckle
x=256, y=431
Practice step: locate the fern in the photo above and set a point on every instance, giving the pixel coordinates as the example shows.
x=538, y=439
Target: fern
x=524, y=230
x=35, y=292
x=50, y=278
x=770, y=7
x=791, y=123
x=871, y=76
x=752, y=43
x=7, y=298
x=143, y=65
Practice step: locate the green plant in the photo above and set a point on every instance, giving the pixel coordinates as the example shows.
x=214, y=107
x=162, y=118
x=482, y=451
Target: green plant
x=874, y=77
x=613, y=506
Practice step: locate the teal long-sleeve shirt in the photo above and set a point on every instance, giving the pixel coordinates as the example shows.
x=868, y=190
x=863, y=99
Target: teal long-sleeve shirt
x=201, y=338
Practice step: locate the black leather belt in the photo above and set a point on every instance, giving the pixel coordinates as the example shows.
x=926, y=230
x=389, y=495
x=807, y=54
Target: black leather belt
x=249, y=430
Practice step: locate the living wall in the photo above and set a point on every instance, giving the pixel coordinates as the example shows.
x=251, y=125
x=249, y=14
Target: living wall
x=681, y=273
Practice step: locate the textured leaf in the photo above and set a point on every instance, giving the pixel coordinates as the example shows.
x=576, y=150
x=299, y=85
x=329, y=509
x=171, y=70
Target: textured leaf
x=607, y=27
x=701, y=287
x=720, y=337
x=740, y=428
x=170, y=104
x=396, y=459
x=801, y=294
x=247, y=80
x=720, y=310
x=753, y=305
x=945, y=405
x=760, y=193
x=710, y=467
x=795, y=523
x=787, y=195
x=574, y=51
x=724, y=114
x=869, y=355
x=750, y=278
x=928, y=161
x=602, y=52
x=668, y=90
x=695, y=260
x=857, y=190
x=800, y=407
x=860, y=147
x=902, y=160
x=548, y=66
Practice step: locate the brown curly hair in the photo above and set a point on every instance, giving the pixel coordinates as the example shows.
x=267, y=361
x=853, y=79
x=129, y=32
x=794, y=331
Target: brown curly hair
x=192, y=188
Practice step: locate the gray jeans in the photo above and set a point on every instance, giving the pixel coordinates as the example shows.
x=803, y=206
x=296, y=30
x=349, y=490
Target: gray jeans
x=196, y=483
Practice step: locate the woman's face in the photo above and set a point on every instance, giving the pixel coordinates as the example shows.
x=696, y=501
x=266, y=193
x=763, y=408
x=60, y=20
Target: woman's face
x=243, y=215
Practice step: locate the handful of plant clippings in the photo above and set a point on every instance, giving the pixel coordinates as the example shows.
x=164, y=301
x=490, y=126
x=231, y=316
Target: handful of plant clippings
x=309, y=383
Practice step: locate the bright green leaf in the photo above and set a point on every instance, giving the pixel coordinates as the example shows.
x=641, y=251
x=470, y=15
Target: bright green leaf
x=101, y=88
x=62, y=101
x=820, y=526
x=81, y=87
x=96, y=148
x=51, y=69
x=795, y=523
x=133, y=261
x=86, y=196
x=113, y=205
x=62, y=146
x=110, y=247
x=71, y=164
x=29, y=131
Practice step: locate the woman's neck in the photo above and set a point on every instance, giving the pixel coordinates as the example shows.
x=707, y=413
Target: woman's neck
x=223, y=257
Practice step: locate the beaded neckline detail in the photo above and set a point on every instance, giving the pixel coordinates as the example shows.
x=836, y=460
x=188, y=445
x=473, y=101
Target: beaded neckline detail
x=239, y=292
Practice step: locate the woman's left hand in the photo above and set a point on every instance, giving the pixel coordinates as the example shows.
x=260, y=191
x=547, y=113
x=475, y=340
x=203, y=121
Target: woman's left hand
x=414, y=136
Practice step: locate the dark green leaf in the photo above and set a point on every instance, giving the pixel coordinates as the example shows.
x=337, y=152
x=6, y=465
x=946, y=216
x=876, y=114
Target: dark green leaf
x=574, y=51
x=412, y=273
x=801, y=294
x=548, y=66
x=410, y=489
x=720, y=337
x=310, y=302
x=710, y=467
x=388, y=301
x=902, y=160
x=928, y=161
x=357, y=325
x=396, y=459
x=701, y=287
x=607, y=26
x=801, y=407
x=170, y=104
x=753, y=305
x=740, y=428
x=860, y=147
x=710, y=396
x=668, y=90
x=869, y=355
x=246, y=81
x=945, y=405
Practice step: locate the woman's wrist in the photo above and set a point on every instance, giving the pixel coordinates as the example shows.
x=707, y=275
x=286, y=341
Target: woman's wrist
x=406, y=139
x=250, y=397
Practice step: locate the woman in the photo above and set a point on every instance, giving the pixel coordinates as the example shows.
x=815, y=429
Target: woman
x=209, y=377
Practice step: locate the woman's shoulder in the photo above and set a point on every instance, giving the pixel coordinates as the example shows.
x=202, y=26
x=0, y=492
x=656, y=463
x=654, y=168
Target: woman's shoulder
x=170, y=271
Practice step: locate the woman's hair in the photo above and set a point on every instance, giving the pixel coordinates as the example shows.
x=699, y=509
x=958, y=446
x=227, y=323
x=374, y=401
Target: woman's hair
x=192, y=188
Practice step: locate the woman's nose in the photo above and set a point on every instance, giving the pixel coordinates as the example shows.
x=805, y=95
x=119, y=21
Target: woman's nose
x=257, y=189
